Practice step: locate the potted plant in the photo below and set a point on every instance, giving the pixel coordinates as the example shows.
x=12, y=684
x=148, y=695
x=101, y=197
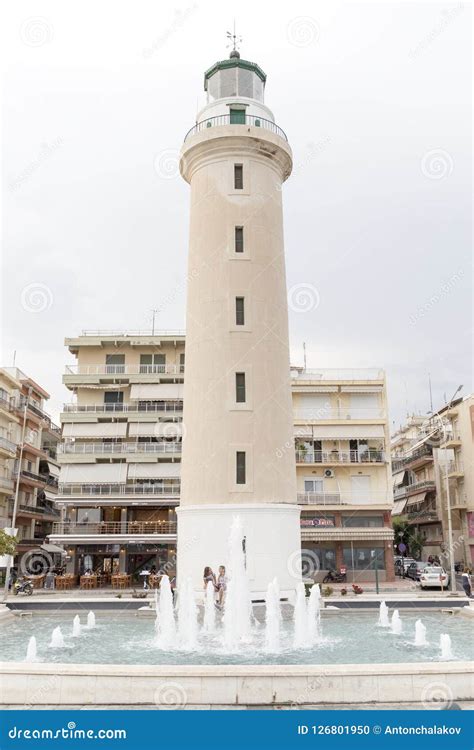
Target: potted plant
x=343, y=592
x=327, y=591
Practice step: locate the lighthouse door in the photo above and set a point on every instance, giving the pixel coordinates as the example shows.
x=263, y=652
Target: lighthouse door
x=237, y=116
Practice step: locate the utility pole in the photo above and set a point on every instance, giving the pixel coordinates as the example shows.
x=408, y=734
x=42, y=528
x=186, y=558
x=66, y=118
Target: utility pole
x=153, y=313
x=17, y=491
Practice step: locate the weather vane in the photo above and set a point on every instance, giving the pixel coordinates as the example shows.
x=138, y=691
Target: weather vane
x=234, y=40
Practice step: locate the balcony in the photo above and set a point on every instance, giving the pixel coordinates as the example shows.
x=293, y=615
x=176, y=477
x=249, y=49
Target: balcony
x=427, y=485
x=133, y=528
x=37, y=510
x=420, y=456
x=423, y=516
x=338, y=374
x=7, y=447
x=342, y=498
x=167, y=407
x=109, y=490
x=322, y=413
x=30, y=477
x=339, y=457
x=455, y=469
x=104, y=369
x=22, y=401
x=80, y=449
x=223, y=120
x=451, y=439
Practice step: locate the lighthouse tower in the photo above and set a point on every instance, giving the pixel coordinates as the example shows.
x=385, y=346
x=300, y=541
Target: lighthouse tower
x=238, y=444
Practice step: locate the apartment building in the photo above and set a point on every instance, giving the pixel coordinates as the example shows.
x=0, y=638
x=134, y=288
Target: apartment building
x=432, y=454
x=31, y=461
x=343, y=471
x=121, y=452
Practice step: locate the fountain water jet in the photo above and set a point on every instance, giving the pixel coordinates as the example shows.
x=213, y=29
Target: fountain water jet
x=209, y=624
x=57, y=640
x=314, y=614
x=272, y=617
x=165, y=625
x=300, y=618
x=384, y=621
x=420, y=634
x=31, y=651
x=445, y=646
x=238, y=610
x=187, y=617
x=91, y=620
x=76, y=626
x=396, y=625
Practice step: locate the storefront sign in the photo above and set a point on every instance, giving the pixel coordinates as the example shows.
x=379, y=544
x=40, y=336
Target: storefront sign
x=320, y=522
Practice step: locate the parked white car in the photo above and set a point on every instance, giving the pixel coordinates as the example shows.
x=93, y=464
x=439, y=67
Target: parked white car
x=434, y=576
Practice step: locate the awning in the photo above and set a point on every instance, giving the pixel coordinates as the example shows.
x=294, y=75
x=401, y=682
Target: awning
x=398, y=479
x=51, y=496
x=347, y=534
x=345, y=432
x=361, y=389
x=157, y=391
x=94, y=473
x=156, y=429
x=398, y=507
x=418, y=498
x=95, y=429
x=154, y=471
x=314, y=389
x=53, y=548
x=53, y=469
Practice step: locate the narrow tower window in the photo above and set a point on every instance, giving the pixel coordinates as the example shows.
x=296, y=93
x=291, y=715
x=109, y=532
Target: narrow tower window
x=239, y=239
x=239, y=311
x=240, y=472
x=240, y=387
x=238, y=176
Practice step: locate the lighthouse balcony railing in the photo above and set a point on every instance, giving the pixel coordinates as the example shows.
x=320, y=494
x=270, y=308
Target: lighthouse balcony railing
x=244, y=120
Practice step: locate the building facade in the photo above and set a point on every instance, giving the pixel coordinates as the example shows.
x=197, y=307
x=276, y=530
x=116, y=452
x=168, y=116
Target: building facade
x=32, y=468
x=430, y=454
x=121, y=453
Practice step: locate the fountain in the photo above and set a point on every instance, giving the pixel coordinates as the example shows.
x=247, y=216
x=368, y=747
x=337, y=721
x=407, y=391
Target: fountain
x=165, y=625
x=57, y=640
x=76, y=627
x=272, y=617
x=31, y=651
x=238, y=611
x=187, y=617
x=420, y=634
x=314, y=614
x=384, y=621
x=209, y=624
x=445, y=646
x=396, y=625
x=91, y=621
x=300, y=618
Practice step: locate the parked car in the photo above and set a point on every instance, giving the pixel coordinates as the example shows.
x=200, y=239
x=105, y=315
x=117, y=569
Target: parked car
x=403, y=562
x=433, y=576
x=415, y=569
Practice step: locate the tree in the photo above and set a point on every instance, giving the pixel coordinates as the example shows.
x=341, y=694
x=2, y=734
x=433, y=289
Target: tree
x=7, y=543
x=409, y=535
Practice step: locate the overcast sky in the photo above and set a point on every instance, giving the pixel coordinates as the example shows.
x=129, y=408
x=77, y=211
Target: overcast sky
x=375, y=99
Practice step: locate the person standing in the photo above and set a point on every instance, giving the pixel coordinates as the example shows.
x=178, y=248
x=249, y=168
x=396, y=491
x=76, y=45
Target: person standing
x=221, y=585
x=466, y=583
x=207, y=576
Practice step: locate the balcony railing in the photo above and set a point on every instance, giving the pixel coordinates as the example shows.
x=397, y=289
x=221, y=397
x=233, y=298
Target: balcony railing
x=252, y=120
x=39, y=509
x=424, y=451
x=29, y=475
x=321, y=413
x=426, y=484
x=342, y=498
x=114, y=527
x=122, y=333
x=450, y=437
x=351, y=375
x=171, y=407
x=103, y=369
x=339, y=457
x=119, y=489
x=454, y=467
x=7, y=445
x=109, y=448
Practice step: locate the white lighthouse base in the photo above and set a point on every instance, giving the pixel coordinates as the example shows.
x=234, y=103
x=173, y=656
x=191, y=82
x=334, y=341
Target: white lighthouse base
x=271, y=537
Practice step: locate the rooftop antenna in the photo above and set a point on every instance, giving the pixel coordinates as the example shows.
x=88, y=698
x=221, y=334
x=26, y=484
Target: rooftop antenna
x=234, y=41
x=153, y=313
x=304, y=354
x=431, y=393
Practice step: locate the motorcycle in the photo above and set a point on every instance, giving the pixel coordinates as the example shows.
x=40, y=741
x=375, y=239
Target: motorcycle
x=335, y=577
x=22, y=587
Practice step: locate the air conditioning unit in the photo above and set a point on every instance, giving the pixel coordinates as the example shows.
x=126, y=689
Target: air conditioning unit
x=328, y=473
